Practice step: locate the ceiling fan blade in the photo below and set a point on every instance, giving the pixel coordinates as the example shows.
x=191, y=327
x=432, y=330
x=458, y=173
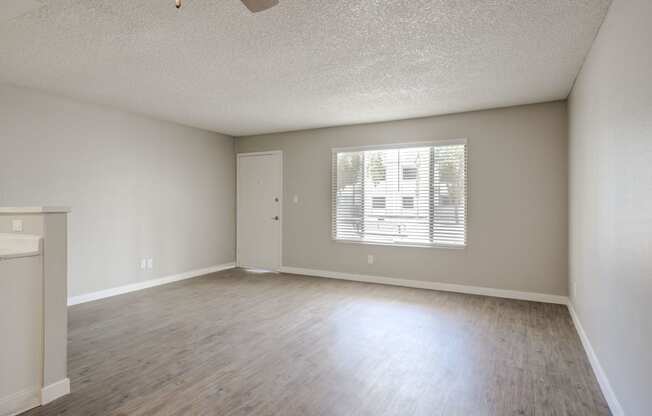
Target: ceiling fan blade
x=259, y=5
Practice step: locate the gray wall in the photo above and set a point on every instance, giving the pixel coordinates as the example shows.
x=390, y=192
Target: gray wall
x=611, y=201
x=517, y=233
x=137, y=187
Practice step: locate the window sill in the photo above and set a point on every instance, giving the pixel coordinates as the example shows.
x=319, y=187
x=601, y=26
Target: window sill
x=415, y=245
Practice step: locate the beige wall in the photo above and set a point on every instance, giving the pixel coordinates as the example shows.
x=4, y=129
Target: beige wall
x=137, y=187
x=517, y=234
x=611, y=201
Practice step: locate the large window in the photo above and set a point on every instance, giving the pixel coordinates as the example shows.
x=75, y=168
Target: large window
x=401, y=195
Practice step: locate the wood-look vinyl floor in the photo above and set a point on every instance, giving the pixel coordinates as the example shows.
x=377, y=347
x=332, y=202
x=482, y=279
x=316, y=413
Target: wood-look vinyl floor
x=244, y=343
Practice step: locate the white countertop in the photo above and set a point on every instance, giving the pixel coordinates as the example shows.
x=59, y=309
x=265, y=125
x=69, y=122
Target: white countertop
x=19, y=245
x=33, y=210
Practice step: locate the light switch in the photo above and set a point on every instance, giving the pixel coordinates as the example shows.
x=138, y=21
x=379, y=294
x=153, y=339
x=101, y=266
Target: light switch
x=370, y=259
x=17, y=226
x=295, y=199
x=150, y=263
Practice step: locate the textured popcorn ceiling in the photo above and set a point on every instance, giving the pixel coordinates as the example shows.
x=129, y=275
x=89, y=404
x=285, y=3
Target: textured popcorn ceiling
x=302, y=64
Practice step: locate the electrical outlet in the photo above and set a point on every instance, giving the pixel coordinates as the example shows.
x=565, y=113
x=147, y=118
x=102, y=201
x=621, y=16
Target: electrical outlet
x=370, y=259
x=17, y=226
x=150, y=263
x=143, y=264
x=574, y=289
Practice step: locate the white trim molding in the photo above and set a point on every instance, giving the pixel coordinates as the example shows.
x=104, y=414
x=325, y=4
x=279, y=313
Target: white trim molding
x=34, y=210
x=19, y=402
x=89, y=297
x=55, y=390
x=420, y=284
x=605, y=386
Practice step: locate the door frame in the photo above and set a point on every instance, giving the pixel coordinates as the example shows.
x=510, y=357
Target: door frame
x=280, y=201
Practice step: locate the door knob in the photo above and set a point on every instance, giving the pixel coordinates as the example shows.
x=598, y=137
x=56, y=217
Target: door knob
x=275, y=218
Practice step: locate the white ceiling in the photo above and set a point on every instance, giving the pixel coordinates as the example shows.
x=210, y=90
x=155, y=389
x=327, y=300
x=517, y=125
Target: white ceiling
x=302, y=64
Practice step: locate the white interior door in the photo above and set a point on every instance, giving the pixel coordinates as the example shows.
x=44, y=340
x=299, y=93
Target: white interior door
x=260, y=192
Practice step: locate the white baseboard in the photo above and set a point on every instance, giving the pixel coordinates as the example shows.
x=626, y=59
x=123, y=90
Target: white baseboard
x=420, y=284
x=55, y=390
x=605, y=386
x=19, y=402
x=88, y=297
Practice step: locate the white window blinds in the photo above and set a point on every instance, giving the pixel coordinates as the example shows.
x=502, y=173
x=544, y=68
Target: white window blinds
x=401, y=195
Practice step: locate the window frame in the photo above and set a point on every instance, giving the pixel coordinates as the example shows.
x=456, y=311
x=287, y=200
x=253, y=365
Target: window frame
x=416, y=173
x=336, y=150
x=411, y=198
x=378, y=199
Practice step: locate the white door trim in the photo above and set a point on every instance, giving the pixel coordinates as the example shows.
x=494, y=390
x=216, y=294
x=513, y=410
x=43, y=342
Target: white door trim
x=237, y=202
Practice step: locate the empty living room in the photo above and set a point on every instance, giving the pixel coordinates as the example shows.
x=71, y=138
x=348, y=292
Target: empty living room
x=326, y=207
